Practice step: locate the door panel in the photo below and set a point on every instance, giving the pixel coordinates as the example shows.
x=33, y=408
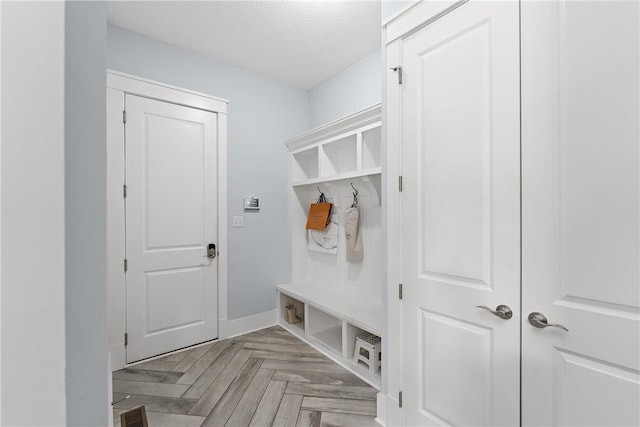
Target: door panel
x=581, y=184
x=460, y=220
x=171, y=217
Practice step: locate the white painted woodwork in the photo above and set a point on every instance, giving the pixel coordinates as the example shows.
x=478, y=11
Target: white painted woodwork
x=580, y=230
x=335, y=297
x=34, y=353
x=461, y=217
x=326, y=325
x=171, y=217
x=580, y=236
x=119, y=84
x=116, y=278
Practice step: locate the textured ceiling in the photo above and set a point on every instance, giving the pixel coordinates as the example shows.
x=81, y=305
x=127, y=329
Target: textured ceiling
x=298, y=42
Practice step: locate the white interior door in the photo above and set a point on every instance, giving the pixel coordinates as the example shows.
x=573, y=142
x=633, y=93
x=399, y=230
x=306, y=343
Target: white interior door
x=580, y=133
x=461, y=218
x=171, y=218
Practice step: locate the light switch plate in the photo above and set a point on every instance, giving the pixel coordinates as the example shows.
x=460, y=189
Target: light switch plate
x=238, y=221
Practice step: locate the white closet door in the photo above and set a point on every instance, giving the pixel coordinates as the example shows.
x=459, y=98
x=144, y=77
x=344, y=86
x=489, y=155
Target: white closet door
x=171, y=218
x=461, y=218
x=580, y=146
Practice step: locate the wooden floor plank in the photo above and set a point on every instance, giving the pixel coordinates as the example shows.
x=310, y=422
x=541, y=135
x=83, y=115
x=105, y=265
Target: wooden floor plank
x=155, y=365
x=203, y=363
x=308, y=419
x=343, y=406
x=318, y=378
x=285, y=348
x=330, y=419
x=152, y=389
x=243, y=413
x=212, y=372
x=268, y=377
x=157, y=404
x=139, y=375
x=158, y=419
x=341, y=392
x=171, y=377
x=185, y=364
x=224, y=408
x=257, y=337
x=287, y=415
x=278, y=355
x=218, y=387
x=321, y=367
x=178, y=356
x=269, y=404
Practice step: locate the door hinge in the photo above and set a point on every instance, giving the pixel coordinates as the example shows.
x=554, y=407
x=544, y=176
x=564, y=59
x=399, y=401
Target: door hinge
x=124, y=116
x=400, y=183
x=126, y=339
x=399, y=290
x=398, y=69
x=124, y=191
x=126, y=265
x=399, y=399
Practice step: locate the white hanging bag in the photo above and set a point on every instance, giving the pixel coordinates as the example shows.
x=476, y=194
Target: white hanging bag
x=351, y=232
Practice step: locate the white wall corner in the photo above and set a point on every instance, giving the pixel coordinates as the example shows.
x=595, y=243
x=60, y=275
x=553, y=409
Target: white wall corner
x=251, y=323
x=392, y=411
x=117, y=357
x=381, y=417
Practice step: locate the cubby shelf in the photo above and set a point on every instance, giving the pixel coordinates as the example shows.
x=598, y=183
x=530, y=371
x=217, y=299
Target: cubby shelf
x=336, y=299
x=347, y=175
x=331, y=324
x=363, y=311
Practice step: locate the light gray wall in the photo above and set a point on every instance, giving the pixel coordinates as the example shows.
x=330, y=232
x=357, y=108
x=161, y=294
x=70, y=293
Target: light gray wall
x=85, y=213
x=352, y=89
x=33, y=251
x=263, y=113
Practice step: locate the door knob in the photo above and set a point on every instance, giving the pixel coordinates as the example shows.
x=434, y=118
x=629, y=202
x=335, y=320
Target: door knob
x=502, y=311
x=540, y=321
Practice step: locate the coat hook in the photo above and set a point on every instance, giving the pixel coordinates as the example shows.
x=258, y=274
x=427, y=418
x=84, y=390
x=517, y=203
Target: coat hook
x=355, y=196
x=319, y=191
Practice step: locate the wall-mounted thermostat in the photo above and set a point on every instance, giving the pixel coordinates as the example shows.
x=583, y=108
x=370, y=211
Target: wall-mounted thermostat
x=251, y=203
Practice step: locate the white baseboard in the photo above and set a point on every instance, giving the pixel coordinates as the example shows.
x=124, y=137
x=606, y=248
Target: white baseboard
x=223, y=329
x=381, y=416
x=252, y=323
x=392, y=412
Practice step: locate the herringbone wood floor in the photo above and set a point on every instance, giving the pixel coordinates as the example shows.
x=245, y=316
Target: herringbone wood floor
x=265, y=378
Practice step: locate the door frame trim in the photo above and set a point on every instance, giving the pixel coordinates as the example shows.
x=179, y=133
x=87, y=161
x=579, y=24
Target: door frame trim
x=119, y=84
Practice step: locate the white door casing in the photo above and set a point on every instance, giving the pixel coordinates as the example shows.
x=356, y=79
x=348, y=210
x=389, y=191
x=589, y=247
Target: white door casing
x=461, y=217
x=580, y=236
x=171, y=217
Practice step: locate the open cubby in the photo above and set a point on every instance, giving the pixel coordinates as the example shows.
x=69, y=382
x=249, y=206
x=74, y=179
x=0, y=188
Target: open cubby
x=340, y=156
x=352, y=332
x=338, y=298
x=305, y=165
x=371, y=148
x=326, y=328
x=299, y=306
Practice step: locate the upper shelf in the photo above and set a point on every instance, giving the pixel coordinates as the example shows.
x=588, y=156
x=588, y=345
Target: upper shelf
x=343, y=149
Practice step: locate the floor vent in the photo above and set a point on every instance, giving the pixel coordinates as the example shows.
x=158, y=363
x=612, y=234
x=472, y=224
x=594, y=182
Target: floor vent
x=136, y=417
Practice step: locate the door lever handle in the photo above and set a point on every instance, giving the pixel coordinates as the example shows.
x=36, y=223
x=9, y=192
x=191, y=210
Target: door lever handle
x=502, y=311
x=539, y=320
